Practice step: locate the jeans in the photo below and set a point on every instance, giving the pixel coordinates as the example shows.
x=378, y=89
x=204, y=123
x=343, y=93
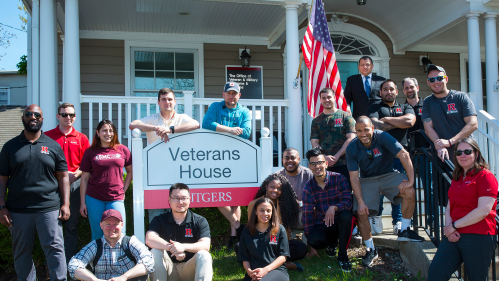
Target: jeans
x=96, y=207
x=396, y=210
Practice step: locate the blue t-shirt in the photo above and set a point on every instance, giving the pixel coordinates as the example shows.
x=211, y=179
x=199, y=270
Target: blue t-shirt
x=219, y=114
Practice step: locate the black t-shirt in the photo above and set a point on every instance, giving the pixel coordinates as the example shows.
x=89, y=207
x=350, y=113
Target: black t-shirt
x=193, y=228
x=382, y=109
x=419, y=139
x=262, y=249
x=32, y=185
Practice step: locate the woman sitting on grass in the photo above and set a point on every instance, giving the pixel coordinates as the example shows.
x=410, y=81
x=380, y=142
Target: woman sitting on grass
x=263, y=246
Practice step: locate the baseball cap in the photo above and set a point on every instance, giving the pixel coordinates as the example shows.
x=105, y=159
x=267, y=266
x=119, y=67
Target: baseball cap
x=111, y=213
x=436, y=67
x=231, y=86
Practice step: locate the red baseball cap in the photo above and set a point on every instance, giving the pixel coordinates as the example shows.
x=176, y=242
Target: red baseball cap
x=111, y=213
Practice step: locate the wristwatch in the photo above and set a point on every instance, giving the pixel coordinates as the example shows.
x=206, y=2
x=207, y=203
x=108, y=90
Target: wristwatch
x=453, y=225
x=172, y=129
x=2, y=207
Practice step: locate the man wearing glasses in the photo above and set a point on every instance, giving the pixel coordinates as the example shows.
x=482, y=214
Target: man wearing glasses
x=180, y=240
x=73, y=144
x=371, y=155
x=453, y=112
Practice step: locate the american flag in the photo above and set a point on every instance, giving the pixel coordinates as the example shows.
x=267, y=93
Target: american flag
x=318, y=52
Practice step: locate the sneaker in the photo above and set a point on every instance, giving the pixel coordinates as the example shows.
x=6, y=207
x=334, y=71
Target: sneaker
x=397, y=227
x=346, y=266
x=370, y=256
x=409, y=235
x=331, y=251
x=376, y=225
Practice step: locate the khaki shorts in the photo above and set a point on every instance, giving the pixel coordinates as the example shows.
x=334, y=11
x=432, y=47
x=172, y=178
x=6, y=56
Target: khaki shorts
x=372, y=187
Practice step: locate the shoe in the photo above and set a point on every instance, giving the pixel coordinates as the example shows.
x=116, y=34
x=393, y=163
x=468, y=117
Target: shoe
x=331, y=251
x=232, y=242
x=397, y=227
x=239, y=230
x=370, y=256
x=376, y=225
x=345, y=266
x=409, y=235
x=355, y=231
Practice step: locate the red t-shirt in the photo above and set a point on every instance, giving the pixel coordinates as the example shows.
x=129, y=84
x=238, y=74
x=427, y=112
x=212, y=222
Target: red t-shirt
x=463, y=198
x=105, y=166
x=73, y=144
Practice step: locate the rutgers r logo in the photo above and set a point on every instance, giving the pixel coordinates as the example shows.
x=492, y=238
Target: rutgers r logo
x=338, y=123
x=451, y=108
x=376, y=152
x=188, y=232
x=420, y=111
x=398, y=110
x=45, y=150
x=273, y=240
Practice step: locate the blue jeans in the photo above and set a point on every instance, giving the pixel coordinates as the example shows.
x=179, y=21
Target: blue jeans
x=96, y=207
x=396, y=210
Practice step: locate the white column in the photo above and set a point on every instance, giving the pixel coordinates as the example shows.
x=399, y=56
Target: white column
x=29, y=85
x=491, y=64
x=71, y=59
x=474, y=58
x=49, y=94
x=35, y=53
x=293, y=86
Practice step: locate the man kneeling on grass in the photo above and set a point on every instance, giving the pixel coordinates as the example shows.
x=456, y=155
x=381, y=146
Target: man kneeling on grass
x=180, y=241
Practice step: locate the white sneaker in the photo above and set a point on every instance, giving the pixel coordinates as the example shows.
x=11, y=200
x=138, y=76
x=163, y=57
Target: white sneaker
x=377, y=225
x=371, y=221
x=397, y=227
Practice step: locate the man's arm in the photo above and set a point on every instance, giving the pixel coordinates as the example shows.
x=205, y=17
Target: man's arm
x=430, y=130
x=402, y=122
x=308, y=210
x=5, y=217
x=85, y=275
x=314, y=142
x=246, y=124
x=63, y=180
x=202, y=244
x=467, y=130
x=341, y=152
x=380, y=125
x=187, y=127
x=136, y=271
x=154, y=241
x=405, y=159
x=142, y=126
x=357, y=192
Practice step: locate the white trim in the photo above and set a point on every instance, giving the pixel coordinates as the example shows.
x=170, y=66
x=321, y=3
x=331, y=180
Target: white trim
x=8, y=94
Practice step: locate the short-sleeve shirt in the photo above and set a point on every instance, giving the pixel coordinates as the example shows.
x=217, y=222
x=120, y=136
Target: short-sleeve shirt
x=448, y=113
x=299, y=180
x=383, y=148
x=262, y=249
x=463, y=198
x=193, y=228
x=73, y=144
x=382, y=109
x=158, y=120
x=331, y=131
x=105, y=166
x=32, y=185
x=419, y=140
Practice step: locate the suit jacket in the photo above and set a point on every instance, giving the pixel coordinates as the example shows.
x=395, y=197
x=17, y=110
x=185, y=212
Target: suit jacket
x=354, y=91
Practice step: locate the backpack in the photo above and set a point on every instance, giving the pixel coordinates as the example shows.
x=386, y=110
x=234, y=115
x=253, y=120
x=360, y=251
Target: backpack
x=125, y=245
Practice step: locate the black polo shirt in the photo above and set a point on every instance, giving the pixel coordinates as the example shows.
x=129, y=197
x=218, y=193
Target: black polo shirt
x=262, y=249
x=419, y=140
x=31, y=166
x=382, y=109
x=383, y=148
x=193, y=228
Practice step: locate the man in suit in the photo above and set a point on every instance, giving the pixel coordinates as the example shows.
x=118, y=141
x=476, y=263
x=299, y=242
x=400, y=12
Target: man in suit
x=363, y=88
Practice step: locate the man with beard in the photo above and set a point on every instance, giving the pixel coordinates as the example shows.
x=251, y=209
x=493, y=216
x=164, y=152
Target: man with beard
x=180, y=240
x=34, y=171
x=411, y=90
x=453, y=112
x=395, y=119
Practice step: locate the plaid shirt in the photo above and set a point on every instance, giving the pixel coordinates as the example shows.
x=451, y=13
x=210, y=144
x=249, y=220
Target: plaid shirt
x=337, y=192
x=113, y=262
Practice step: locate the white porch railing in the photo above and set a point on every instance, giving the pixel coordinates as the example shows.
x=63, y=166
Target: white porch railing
x=487, y=136
x=122, y=110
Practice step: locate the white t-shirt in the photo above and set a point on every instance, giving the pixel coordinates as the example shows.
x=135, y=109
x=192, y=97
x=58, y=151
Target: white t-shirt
x=158, y=120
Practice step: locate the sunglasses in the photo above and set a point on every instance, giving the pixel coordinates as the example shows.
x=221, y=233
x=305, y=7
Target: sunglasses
x=370, y=155
x=466, y=151
x=64, y=115
x=37, y=115
x=438, y=78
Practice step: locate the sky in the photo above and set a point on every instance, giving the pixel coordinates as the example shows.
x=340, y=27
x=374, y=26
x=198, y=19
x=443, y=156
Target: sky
x=9, y=15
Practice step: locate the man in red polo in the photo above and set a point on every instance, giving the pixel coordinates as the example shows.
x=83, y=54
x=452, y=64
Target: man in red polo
x=73, y=144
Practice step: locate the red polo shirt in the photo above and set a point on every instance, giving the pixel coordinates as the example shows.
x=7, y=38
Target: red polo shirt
x=463, y=198
x=73, y=144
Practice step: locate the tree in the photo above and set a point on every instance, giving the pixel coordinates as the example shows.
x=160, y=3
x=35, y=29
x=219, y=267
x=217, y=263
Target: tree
x=23, y=15
x=22, y=66
x=5, y=40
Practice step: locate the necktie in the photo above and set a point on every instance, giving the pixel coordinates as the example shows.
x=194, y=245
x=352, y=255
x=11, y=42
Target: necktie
x=367, y=86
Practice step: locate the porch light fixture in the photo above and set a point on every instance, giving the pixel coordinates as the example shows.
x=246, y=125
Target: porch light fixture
x=425, y=61
x=245, y=58
x=361, y=2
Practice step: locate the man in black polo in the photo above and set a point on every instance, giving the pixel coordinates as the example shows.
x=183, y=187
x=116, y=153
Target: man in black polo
x=34, y=171
x=395, y=119
x=180, y=240
x=371, y=154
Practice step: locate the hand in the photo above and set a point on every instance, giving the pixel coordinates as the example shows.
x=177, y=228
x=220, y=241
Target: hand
x=261, y=272
x=180, y=256
x=448, y=230
x=443, y=153
x=251, y=273
x=329, y=220
x=83, y=210
x=441, y=143
x=176, y=248
x=454, y=237
x=312, y=252
x=236, y=131
x=404, y=185
x=118, y=278
x=5, y=218
x=362, y=209
x=163, y=133
x=64, y=212
x=331, y=160
x=72, y=177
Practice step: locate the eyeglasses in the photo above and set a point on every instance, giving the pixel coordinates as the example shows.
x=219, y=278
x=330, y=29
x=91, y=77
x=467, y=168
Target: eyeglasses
x=179, y=199
x=37, y=115
x=370, y=154
x=466, y=151
x=64, y=115
x=315, y=164
x=438, y=78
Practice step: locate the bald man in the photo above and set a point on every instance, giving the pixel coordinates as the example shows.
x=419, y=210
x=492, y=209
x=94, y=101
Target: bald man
x=34, y=171
x=371, y=155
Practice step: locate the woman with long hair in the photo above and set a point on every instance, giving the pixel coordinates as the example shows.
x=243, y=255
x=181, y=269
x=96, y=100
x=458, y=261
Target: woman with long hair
x=263, y=246
x=102, y=185
x=278, y=189
x=470, y=224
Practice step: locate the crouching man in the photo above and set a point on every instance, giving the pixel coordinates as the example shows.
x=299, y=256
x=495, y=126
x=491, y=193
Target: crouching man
x=180, y=241
x=113, y=257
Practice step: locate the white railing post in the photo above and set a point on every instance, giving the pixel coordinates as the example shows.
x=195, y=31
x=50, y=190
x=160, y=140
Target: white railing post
x=267, y=156
x=138, y=186
x=188, y=101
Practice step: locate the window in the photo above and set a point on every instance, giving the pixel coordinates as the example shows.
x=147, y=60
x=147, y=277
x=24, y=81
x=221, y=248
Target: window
x=4, y=96
x=348, y=45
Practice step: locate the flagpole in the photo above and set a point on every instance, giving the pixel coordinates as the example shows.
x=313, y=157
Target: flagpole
x=301, y=56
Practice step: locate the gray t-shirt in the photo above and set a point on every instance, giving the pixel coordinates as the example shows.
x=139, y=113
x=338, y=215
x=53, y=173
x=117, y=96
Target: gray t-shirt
x=448, y=113
x=383, y=149
x=299, y=180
